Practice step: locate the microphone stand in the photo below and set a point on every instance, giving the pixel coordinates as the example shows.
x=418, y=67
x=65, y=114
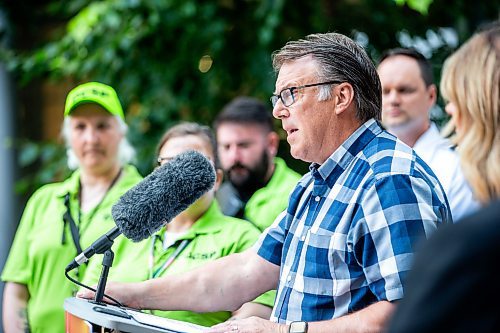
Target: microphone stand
x=107, y=262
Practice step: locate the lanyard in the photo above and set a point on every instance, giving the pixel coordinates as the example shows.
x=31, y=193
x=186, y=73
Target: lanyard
x=154, y=274
x=96, y=208
x=75, y=229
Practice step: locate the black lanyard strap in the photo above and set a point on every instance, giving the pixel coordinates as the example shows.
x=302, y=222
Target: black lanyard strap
x=68, y=219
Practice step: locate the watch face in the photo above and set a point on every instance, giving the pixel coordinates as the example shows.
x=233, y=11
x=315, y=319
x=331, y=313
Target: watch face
x=298, y=327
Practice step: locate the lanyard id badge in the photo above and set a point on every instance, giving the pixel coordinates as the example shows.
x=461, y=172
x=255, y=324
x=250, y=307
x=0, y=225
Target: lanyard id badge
x=155, y=273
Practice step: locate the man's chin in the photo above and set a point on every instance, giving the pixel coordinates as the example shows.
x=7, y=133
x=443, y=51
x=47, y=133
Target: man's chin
x=396, y=123
x=239, y=181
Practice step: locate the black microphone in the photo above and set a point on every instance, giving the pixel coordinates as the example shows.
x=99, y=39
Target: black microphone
x=155, y=201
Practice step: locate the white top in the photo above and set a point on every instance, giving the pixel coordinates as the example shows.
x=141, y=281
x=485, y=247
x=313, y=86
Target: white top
x=436, y=151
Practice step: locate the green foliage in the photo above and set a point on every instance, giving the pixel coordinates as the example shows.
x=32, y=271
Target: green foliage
x=31, y=155
x=173, y=60
x=422, y=6
x=150, y=52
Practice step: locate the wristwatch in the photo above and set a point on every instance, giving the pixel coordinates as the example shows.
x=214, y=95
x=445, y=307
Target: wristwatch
x=298, y=327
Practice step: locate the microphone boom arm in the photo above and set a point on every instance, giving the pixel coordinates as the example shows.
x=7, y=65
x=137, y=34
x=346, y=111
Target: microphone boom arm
x=101, y=245
x=107, y=262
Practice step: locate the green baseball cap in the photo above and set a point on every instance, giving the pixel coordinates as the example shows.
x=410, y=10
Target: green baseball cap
x=94, y=92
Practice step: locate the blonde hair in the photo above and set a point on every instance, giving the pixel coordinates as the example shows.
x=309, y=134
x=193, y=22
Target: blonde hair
x=470, y=80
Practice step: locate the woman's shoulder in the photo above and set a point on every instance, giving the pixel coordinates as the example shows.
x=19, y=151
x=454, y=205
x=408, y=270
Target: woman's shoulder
x=55, y=188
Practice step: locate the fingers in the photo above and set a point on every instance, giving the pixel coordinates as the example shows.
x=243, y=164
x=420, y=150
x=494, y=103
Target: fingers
x=226, y=327
x=85, y=293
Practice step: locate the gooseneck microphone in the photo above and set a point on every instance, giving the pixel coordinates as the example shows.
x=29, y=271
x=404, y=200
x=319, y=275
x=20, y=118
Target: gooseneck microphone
x=155, y=201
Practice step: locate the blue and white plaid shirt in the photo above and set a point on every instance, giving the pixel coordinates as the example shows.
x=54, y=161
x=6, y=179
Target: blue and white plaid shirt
x=348, y=236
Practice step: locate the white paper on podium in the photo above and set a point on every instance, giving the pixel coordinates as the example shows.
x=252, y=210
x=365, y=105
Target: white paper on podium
x=170, y=324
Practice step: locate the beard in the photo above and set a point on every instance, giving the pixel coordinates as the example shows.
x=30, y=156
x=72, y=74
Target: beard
x=246, y=180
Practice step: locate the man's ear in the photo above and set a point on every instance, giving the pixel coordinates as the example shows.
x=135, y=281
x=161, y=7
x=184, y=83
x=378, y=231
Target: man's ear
x=273, y=141
x=344, y=96
x=432, y=94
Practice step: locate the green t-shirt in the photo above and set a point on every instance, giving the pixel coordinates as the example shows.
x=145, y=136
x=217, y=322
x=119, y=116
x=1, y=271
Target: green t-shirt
x=269, y=201
x=213, y=236
x=264, y=206
x=38, y=258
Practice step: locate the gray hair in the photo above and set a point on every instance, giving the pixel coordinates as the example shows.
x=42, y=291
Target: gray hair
x=126, y=152
x=338, y=58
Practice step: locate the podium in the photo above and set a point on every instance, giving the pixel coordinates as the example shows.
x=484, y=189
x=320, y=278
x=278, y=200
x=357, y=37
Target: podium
x=84, y=316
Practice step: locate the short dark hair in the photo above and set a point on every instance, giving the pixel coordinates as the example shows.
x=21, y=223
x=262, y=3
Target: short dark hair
x=424, y=64
x=190, y=128
x=246, y=110
x=339, y=58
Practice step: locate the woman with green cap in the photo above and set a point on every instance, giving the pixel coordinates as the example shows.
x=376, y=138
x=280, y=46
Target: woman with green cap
x=61, y=219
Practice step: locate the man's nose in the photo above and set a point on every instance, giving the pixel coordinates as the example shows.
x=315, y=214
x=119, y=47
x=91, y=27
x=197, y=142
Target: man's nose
x=237, y=155
x=233, y=154
x=280, y=111
x=393, y=97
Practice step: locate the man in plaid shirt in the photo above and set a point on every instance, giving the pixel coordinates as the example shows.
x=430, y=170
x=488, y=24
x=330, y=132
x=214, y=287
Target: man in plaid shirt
x=340, y=252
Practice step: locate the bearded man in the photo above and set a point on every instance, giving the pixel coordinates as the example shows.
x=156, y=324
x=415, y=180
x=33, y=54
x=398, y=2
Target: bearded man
x=258, y=183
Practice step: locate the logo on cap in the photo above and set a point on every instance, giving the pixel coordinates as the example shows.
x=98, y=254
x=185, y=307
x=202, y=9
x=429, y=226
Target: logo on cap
x=94, y=92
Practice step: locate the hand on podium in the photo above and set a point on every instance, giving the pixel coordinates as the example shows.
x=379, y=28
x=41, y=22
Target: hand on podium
x=252, y=324
x=127, y=294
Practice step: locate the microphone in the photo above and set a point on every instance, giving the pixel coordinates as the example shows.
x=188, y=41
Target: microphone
x=155, y=201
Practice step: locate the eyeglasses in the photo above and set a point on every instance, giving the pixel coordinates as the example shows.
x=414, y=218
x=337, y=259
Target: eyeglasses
x=160, y=160
x=287, y=97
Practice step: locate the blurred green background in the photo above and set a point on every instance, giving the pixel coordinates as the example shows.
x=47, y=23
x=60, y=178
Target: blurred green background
x=172, y=60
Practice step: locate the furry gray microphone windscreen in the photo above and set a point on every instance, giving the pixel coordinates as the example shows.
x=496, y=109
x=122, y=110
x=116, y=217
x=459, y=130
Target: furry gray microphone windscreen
x=162, y=195
x=155, y=201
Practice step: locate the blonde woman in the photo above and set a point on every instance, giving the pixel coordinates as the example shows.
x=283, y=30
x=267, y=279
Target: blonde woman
x=470, y=84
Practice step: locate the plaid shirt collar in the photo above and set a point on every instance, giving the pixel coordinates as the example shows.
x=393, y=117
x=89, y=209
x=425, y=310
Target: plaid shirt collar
x=335, y=165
